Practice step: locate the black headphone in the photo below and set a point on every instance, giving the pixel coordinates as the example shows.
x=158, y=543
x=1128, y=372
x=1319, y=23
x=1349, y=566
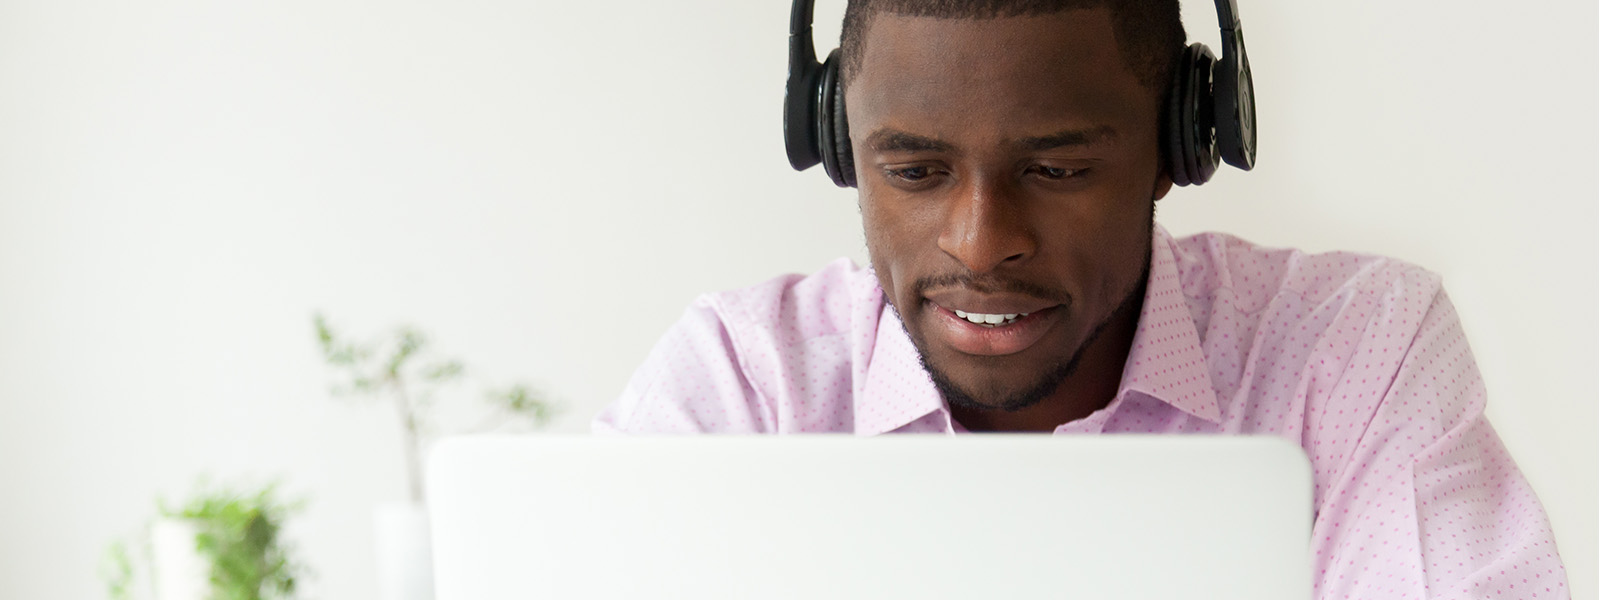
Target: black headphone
x=1210, y=114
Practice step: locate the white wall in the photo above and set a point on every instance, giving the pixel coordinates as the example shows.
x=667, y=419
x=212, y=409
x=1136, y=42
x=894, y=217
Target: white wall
x=544, y=186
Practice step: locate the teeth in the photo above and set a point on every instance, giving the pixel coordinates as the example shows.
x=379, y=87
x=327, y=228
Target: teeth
x=988, y=319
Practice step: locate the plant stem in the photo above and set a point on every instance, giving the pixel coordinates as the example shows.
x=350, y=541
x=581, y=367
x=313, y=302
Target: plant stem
x=413, y=450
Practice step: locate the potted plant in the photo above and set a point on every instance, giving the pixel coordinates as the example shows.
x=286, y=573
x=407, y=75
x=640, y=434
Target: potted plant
x=220, y=545
x=399, y=370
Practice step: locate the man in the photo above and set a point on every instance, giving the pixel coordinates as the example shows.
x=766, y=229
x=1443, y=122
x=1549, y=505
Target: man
x=1009, y=156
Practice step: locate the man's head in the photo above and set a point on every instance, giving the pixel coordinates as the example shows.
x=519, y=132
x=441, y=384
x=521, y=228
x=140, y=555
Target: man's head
x=1149, y=33
x=1008, y=161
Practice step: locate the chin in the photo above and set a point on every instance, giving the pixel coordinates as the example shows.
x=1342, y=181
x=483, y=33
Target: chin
x=1007, y=383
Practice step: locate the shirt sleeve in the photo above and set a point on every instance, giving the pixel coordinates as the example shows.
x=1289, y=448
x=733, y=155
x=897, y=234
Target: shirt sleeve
x=693, y=381
x=1430, y=504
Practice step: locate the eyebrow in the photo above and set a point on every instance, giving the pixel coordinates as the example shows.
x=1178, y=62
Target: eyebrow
x=1068, y=138
x=894, y=140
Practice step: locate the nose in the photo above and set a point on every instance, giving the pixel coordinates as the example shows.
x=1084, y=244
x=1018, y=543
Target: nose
x=986, y=227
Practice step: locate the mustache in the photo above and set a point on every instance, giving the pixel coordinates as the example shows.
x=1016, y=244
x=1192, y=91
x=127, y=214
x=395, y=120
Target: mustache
x=990, y=284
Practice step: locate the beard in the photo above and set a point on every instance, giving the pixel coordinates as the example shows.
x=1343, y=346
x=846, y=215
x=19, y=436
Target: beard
x=1046, y=383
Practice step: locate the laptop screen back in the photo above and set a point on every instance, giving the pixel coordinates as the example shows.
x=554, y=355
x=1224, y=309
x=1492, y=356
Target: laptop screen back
x=891, y=517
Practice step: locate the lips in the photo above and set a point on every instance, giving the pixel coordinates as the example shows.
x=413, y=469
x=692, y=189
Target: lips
x=986, y=339
x=988, y=303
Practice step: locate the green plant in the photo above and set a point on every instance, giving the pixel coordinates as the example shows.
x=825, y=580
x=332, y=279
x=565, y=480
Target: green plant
x=400, y=369
x=117, y=571
x=238, y=533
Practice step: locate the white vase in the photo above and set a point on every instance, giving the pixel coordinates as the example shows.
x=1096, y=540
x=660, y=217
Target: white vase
x=405, y=556
x=181, y=572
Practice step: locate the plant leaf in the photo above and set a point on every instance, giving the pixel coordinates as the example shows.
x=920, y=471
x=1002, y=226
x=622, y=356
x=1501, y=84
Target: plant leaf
x=521, y=400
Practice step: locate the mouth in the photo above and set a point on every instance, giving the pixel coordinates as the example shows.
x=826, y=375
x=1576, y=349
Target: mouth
x=991, y=334
x=989, y=320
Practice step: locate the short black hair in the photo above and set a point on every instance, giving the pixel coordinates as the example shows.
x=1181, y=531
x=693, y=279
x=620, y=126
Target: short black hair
x=1149, y=32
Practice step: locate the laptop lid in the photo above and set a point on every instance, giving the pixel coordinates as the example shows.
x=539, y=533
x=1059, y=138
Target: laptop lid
x=981, y=516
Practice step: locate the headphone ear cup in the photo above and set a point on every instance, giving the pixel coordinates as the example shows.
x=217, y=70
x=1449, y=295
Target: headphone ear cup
x=1172, y=123
x=832, y=133
x=845, y=156
x=1194, y=118
x=1235, y=106
x=1201, y=114
x=800, y=113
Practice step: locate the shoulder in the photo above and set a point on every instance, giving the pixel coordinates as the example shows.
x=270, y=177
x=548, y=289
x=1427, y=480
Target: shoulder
x=738, y=360
x=793, y=308
x=1251, y=277
x=1292, y=337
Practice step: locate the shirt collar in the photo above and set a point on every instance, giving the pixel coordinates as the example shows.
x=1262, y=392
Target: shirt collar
x=1165, y=362
x=898, y=391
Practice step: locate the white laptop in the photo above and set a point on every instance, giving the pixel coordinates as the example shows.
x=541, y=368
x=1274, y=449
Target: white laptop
x=978, y=516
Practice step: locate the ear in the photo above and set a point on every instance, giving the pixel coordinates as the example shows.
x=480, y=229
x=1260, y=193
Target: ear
x=1163, y=185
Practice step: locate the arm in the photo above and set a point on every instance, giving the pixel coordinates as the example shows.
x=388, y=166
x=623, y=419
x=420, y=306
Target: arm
x=1429, y=503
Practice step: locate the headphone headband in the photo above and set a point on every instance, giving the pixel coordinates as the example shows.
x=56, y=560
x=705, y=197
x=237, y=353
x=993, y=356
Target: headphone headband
x=800, y=20
x=1235, y=92
x=1227, y=16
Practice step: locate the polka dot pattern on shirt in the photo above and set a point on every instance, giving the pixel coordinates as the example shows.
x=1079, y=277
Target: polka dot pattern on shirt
x=1358, y=359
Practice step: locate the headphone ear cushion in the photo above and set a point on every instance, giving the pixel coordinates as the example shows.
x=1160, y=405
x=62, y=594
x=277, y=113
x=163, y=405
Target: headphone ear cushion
x=832, y=133
x=1200, y=129
x=1172, y=124
x=1186, y=118
x=1193, y=118
x=846, y=160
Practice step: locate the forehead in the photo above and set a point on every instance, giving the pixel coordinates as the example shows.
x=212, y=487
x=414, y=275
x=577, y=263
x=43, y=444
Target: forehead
x=1008, y=75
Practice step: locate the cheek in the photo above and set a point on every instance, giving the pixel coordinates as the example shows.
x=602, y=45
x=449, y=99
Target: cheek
x=1093, y=245
x=878, y=244
x=893, y=244
x=1119, y=251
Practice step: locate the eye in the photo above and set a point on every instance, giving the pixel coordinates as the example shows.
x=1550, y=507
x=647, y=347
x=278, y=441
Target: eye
x=913, y=178
x=909, y=174
x=1055, y=173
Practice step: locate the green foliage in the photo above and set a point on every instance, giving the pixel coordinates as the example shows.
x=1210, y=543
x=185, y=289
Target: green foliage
x=239, y=534
x=522, y=401
x=389, y=366
x=117, y=571
x=400, y=369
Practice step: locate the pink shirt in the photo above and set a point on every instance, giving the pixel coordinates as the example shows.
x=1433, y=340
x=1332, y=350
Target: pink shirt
x=1359, y=359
